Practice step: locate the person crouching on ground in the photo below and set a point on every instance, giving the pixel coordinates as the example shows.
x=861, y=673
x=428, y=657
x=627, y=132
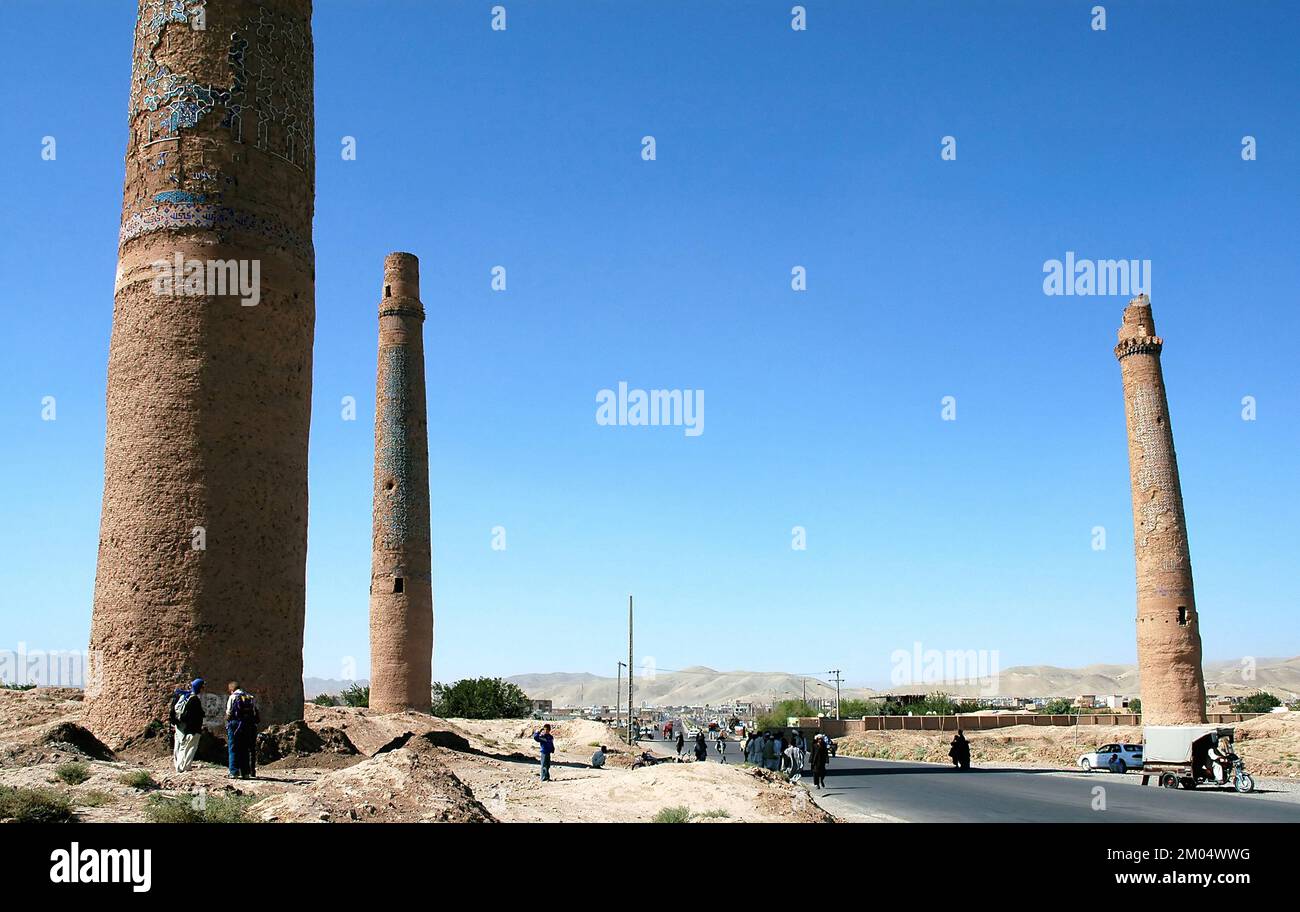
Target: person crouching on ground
x=547, y=745
x=186, y=713
x=241, y=732
x=598, y=758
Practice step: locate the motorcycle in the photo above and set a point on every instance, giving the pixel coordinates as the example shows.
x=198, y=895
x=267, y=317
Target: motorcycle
x=1242, y=781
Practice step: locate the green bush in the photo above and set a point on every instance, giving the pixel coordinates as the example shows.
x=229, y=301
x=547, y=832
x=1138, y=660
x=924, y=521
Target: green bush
x=856, y=709
x=139, y=779
x=481, y=698
x=73, y=773
x=355, y=695
x=327, y=700
x=677, y=814
x=1060, y=707
x=1261, y=702
x=26, y=805
x=780, y=715
x=212, y=809
x=714, y=815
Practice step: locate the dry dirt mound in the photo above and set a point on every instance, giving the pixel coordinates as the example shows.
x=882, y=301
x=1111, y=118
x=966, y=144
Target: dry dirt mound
x=410, y=784
x=298, y=740
x=371, y=732
x=72, y=737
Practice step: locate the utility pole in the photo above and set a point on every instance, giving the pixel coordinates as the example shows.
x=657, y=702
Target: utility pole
x=630, y=739
x=803, y=697
x=618, y=695
x=838, y=681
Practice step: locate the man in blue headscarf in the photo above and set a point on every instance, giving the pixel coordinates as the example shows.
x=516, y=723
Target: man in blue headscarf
x=547, y=745
x=186, y=713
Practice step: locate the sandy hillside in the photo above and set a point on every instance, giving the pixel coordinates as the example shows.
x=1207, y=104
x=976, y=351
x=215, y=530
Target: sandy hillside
x=350, y=765
x=1270, y=745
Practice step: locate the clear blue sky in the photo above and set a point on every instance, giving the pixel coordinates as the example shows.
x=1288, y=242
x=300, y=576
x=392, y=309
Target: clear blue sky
x=775, y=148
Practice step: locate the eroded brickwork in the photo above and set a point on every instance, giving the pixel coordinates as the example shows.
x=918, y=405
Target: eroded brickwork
x=1168, y=626
x=203, y=535
x=401, y=583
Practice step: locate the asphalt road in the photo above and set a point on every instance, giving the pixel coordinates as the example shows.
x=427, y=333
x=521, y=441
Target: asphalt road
x=926, y=792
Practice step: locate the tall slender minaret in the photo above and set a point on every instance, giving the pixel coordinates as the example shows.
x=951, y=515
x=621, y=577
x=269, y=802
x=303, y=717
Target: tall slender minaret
x=203, y=534
x=1168, y=626
x=401, y=583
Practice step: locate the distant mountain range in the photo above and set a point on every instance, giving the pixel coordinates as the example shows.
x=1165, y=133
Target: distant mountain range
x=688, y=687
x=313, y=687
x=700, y=685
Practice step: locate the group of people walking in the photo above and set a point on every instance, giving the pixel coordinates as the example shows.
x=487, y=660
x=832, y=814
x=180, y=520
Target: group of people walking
x=185, y=713
x=784, y=752
x=789, y=753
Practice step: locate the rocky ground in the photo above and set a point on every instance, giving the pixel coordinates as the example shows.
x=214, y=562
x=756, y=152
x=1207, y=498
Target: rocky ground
x=348, y=765
x=1270, y=745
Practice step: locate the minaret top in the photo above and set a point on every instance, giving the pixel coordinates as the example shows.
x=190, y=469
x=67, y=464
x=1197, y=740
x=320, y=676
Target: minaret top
x=1137, y=319
x=1137, y=332
x=401, y=296
x=402, y=276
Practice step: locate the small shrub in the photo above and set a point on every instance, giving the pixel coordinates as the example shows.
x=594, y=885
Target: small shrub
x=677, y=814
x=140, y=779
x=73, y=773
x=213, y=809
x=717, y=814
x=93, y=799
x=324, y=700
x=355, y=695
x=35, y=805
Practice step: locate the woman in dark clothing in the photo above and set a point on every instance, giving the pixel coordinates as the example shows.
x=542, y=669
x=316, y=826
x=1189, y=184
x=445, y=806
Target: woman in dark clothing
x=820, y=757
x=960, y=751
x=681, y=742
x=701, y=748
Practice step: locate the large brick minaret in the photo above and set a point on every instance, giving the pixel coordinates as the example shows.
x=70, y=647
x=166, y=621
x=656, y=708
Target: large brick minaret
x=1168, y=626
x=203, y=534
x=401, y=584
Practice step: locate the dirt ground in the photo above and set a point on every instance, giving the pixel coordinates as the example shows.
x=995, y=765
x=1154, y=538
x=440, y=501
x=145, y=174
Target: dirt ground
x=1269, y=745
x=349, y=765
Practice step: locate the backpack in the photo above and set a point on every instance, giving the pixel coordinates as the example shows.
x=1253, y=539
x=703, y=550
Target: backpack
x=178, y=706
x=243, y=708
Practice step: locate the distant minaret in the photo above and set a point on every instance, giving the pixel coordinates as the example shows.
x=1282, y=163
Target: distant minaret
x=1168, y=626
x=401, y=583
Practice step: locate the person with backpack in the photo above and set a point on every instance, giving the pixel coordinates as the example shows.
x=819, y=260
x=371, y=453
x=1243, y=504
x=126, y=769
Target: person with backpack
x=186, y=714
x=241, y=732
